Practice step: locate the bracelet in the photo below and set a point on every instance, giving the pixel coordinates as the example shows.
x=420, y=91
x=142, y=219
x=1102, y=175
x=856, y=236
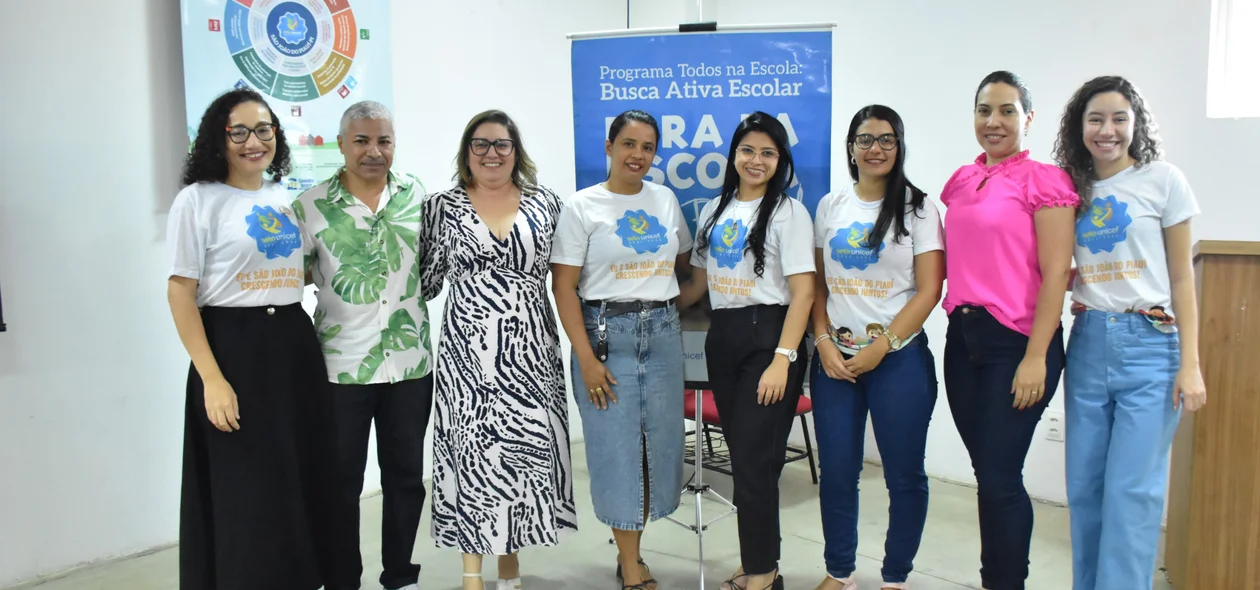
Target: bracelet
x=820, y=339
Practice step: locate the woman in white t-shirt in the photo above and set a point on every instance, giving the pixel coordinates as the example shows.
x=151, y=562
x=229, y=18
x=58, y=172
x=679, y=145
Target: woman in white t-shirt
x=258, y=494
x=616, y=248
x=881, y=266
x=1131, y=367
x=753, y=254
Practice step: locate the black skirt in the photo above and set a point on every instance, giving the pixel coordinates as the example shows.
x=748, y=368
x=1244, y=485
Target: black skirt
x=257, y=503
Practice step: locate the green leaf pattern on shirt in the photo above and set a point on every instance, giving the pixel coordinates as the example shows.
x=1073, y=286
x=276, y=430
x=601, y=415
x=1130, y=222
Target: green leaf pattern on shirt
x=326, y=333
x=360, y=276
x=401, y=334
x=364, y=259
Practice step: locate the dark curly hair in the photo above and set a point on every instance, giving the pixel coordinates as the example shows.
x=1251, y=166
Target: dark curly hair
x=207, y=162
x=1070, y=152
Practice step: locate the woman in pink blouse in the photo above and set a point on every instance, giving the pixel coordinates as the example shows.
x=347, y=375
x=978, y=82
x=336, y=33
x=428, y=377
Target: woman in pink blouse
x=1008, y=251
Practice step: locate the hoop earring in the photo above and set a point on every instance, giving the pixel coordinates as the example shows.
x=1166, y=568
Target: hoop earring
x=853, y=160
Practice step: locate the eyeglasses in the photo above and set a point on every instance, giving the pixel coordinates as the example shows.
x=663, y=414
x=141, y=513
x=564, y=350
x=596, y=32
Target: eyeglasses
x=748, y=153
x=886, y=141
x=240, y=133
x=481, y=147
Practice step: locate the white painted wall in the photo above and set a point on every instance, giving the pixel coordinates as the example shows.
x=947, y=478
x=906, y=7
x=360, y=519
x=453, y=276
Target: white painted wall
x=924, y=59
x=91, y=371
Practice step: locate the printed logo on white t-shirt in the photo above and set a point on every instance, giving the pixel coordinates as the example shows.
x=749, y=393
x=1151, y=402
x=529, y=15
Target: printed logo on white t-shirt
x=276, y=235
x=641, y=232
x=848, y=247
x=845, y=336
x=726, y=244
x=1104, y=225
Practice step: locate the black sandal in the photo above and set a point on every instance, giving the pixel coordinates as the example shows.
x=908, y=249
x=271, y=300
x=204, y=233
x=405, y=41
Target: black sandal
x=644, y=583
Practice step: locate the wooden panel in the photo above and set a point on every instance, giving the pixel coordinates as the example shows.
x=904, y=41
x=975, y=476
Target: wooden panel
x=1214, y=529
x=1204, y=247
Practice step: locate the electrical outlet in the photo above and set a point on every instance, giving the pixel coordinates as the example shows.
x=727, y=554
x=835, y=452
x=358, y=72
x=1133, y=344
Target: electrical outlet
x=1054, y=426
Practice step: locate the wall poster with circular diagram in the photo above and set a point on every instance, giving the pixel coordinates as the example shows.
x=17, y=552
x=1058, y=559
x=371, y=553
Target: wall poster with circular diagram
x=311, y=59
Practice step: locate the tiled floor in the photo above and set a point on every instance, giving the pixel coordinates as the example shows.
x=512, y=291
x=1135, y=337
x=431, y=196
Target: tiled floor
x=947, y=560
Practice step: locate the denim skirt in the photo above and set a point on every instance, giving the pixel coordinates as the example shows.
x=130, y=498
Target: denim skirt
x=641, y=434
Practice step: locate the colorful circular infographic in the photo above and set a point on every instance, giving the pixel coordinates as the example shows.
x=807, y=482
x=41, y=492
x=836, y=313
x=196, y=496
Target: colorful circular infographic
x=293, y=50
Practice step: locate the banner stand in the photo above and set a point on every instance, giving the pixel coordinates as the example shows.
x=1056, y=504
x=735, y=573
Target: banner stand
x=596, y=101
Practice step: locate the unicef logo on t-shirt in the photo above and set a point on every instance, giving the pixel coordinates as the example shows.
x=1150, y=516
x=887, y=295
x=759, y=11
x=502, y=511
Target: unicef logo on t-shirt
x=641, y=232
x=1104, y=225
x=726, y=243
x=277, y=237
x=848, y=247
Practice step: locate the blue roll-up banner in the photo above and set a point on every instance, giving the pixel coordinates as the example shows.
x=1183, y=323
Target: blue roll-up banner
x=699, y=86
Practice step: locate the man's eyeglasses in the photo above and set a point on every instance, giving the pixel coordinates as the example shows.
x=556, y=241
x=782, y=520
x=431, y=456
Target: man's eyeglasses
x=886, y=141
x=481, y=147
x=240, y=133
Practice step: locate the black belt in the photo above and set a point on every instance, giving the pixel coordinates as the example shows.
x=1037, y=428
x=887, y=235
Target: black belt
x=623, y=307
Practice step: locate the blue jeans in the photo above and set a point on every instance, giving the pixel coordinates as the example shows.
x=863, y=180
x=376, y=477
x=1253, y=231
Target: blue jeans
x=900, y=395
x=645, y=425
x=981, y=358
x=1120, y=425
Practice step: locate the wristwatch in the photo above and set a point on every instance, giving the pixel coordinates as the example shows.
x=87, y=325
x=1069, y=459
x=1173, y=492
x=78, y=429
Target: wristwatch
x=894, y=343
x=790, y=353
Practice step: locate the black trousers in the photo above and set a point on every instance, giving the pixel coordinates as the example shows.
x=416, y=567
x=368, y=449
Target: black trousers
x=401, y=411
x=981, y=358
x=738, y=349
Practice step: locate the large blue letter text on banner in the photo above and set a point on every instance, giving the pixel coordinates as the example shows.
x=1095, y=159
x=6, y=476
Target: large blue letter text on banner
x=699, y=86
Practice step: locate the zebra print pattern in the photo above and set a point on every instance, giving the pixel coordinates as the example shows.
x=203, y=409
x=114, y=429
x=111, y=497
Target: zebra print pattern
x=502, y=477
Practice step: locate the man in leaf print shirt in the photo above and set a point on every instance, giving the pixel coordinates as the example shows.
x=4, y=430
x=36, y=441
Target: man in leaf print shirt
x=360, y=235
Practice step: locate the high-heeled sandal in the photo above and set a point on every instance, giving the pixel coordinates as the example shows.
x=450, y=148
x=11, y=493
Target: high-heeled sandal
x=646, y=581
x=468, y=575
x=512, y=584
x=777, y=584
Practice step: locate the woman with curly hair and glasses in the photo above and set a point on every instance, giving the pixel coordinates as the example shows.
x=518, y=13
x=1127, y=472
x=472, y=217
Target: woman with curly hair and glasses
x=1130, y=365
x=256, y=500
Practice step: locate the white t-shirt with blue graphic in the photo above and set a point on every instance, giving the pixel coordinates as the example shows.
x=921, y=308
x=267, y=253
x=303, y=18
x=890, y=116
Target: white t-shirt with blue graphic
x=244, y=248
x=626, y=244
x=867, y=288
x=1121, y=263
x=732, y=280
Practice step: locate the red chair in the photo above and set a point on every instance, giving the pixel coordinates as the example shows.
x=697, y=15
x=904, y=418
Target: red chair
x=718, y=458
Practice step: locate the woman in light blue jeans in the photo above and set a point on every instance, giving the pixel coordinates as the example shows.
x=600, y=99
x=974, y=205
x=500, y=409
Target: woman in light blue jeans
x=617, y=245
x=1132, y=358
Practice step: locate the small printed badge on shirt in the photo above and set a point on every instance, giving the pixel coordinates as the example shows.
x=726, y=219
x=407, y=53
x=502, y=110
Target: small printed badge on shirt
x=274, y=232
x=848, y=247
x=845, y=337
x=726, y=245
x=1104, y=225
x=641, y=232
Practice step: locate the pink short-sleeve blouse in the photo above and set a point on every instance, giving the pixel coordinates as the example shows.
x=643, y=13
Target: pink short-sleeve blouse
x=991, y=239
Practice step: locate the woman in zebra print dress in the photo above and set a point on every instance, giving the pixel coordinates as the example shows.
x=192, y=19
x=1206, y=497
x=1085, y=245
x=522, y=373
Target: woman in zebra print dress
x=501, y=468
